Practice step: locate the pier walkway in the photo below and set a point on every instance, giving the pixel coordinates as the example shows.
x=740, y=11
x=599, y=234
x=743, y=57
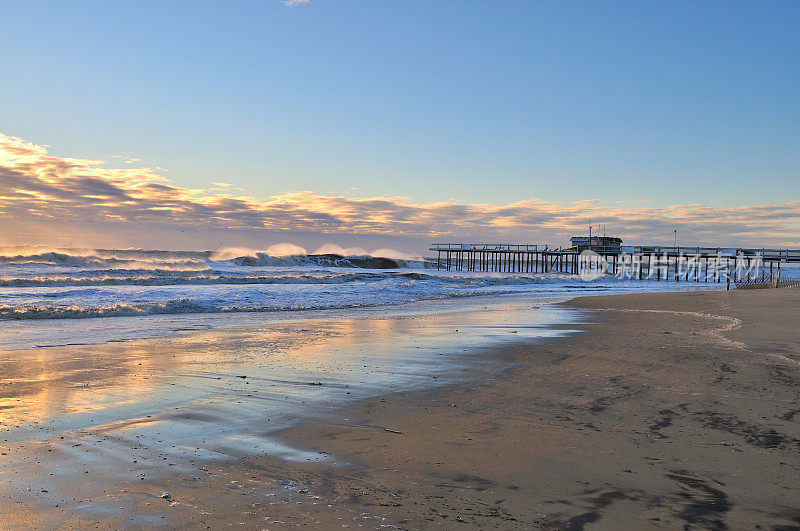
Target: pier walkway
x=652, y=262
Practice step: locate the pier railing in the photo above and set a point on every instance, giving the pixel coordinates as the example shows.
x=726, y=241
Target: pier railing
x=766, y=254
x=525, y=247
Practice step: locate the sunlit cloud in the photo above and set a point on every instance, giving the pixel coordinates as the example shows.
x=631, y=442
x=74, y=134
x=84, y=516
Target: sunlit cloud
x=42, y=194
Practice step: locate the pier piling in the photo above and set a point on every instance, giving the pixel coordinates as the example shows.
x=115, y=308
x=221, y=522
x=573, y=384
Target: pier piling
x=663, y=263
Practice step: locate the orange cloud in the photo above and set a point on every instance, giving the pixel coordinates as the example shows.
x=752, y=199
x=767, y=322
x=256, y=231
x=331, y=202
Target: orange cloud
x=38, y=189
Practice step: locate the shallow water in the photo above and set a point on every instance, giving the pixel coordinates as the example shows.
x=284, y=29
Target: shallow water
x=147, y=409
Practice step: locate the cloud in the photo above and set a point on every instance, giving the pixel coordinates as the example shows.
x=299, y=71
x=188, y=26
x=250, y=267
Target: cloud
x=42, y=195
x=294, y=3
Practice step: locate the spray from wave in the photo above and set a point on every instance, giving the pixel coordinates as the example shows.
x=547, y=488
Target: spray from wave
x=278, y=255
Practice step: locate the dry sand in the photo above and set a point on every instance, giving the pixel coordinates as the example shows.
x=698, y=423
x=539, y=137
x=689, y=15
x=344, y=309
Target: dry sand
x=671, y=410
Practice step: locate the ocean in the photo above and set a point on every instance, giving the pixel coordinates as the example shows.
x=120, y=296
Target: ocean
x=84, y=283
x=68, y=296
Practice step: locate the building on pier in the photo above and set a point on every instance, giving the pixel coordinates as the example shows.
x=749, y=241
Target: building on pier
x=598, y=244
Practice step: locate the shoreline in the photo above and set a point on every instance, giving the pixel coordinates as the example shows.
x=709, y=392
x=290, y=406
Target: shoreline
x=27, y=334
x=116, y=415
x=704, y=435
x=560, y=438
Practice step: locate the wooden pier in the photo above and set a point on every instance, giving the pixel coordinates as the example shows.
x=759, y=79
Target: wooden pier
x=504, y=258
x=681, y=264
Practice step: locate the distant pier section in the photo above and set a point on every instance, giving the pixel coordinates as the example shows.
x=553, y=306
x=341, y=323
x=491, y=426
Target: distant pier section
x=599, y=255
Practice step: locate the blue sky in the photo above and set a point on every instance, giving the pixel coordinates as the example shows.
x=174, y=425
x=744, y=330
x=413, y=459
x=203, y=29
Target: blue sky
x=490, y=101
x=653, y=104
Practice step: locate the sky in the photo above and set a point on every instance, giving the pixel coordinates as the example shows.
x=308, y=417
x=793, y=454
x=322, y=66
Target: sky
x=375, y=123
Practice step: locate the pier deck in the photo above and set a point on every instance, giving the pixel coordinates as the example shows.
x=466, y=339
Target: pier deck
x=652, y=262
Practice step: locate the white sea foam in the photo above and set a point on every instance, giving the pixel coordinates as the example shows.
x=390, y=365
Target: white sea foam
x=38, y=283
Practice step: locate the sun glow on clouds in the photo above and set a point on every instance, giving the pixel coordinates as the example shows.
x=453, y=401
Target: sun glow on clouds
x=39, y=190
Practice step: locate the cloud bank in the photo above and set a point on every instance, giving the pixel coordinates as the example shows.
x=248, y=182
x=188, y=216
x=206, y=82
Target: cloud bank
x=49, y=199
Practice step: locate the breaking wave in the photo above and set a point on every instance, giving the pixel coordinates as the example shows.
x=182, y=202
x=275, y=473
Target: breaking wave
x=187, y=306
x=213, y=277
x=40, y=283
x=140, y=259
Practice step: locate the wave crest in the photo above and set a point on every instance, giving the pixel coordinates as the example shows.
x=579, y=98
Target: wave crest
x=279, y=255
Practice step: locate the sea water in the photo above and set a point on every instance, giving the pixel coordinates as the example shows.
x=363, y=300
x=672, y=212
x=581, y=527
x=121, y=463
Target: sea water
x=54, y=297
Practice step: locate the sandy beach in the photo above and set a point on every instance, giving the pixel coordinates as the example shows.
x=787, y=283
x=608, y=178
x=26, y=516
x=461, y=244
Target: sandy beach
x=673, y=410
x=666, y=410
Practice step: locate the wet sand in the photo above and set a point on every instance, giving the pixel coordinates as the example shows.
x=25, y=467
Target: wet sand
x=673, y=410
x=99, y=432
x=667, y=410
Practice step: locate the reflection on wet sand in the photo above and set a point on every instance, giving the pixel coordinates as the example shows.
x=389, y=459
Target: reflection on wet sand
x=111, y=415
